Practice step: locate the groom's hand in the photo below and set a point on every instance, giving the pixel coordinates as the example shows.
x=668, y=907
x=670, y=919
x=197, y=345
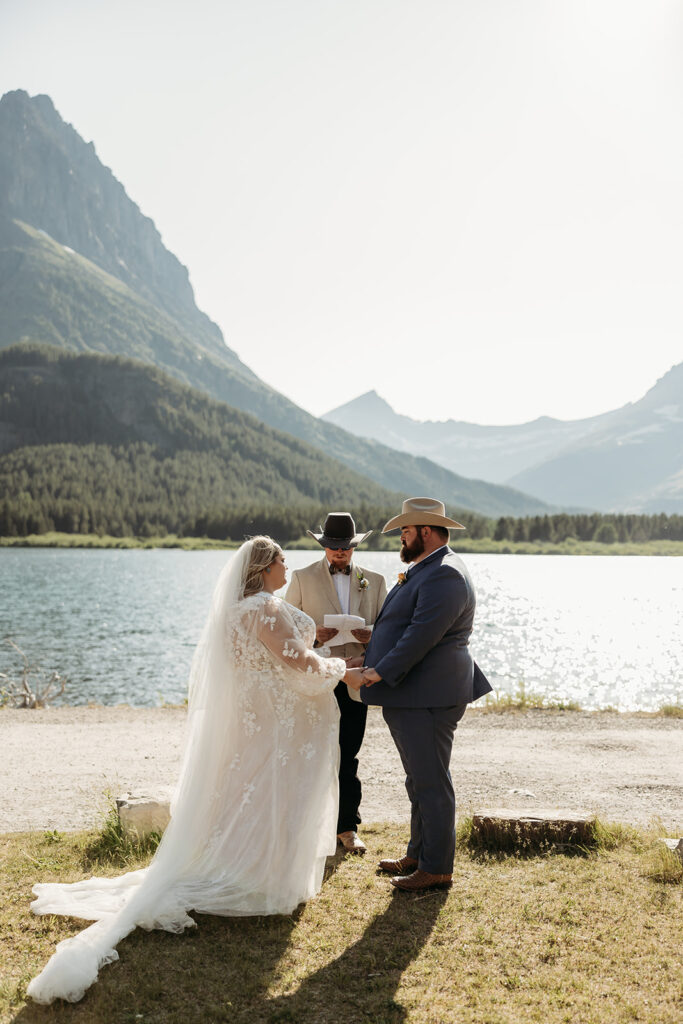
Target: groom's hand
x=370, y=676
x=324, y=633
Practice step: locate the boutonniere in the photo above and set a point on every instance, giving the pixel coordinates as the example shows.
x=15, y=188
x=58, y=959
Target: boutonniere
x=363, y=584
x=401, y=579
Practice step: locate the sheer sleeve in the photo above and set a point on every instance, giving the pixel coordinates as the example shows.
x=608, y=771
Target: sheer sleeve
x=309, y=673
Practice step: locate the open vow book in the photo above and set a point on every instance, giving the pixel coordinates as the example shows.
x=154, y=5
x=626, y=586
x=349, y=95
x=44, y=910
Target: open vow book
x=344, y=623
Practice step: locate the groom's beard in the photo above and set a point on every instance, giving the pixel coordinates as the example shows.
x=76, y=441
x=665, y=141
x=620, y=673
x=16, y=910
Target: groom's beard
x=409, y=552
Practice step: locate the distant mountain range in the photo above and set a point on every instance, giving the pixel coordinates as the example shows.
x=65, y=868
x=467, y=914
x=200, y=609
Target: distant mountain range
x=81, y=268
x=628, y=460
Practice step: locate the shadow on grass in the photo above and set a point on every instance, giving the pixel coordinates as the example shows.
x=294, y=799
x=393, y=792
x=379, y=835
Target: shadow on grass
x=219, y=971
x=222, y=971
x=334, y=862
x=361, y=984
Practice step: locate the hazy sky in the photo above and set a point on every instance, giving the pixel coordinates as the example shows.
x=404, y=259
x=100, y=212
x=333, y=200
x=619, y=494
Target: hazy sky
x=475, y=208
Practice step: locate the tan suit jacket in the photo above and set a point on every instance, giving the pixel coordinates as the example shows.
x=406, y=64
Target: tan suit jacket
x=312, y=590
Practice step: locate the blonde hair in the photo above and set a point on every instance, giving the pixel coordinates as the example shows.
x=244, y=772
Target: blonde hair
x=264, y=551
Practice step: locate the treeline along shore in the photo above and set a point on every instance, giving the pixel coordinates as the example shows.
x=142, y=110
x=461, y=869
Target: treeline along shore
x=100, y=447
x=43, y=517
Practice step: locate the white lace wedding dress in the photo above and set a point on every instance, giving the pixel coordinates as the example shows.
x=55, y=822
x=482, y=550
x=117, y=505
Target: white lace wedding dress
x=254, y=814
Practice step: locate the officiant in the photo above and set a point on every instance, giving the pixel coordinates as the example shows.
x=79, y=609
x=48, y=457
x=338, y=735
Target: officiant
x=338, y=585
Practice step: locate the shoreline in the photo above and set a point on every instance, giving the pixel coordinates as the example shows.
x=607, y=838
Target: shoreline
x=59, y=764
x=534, y=705
x=486, y=546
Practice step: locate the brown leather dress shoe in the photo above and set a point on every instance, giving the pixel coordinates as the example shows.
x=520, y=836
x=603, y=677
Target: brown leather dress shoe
x=420, y=881
x=351, y=842
x=402, y=866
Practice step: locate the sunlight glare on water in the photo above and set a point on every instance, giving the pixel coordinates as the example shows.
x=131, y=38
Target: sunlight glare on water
x=122, y=625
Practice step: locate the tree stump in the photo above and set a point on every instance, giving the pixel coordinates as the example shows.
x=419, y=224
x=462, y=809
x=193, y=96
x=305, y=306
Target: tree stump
x=502, y=829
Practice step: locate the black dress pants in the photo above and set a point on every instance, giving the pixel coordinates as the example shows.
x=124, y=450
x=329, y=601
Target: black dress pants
x=352, y=718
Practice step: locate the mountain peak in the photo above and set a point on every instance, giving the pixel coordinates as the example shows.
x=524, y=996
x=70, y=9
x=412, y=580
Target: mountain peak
x=19, y=98
x=370, y=399
x=52, y=179
x=369, y=403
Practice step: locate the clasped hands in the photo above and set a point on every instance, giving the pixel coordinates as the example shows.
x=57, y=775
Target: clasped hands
x=356, y=676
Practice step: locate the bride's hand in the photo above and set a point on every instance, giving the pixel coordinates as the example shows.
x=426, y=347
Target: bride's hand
x=354, y=678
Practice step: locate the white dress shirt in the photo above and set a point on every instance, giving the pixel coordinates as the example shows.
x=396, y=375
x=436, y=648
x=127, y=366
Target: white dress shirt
x=342, y=584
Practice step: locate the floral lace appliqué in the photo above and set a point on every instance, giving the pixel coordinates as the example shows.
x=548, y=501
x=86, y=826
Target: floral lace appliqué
x=311, y=714
x=251, y=726
x=246, y=796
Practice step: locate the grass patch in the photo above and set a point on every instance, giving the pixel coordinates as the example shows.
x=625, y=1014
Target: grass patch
x=486, y=546
x=664, y=866
x=482, y=546
x=112, y=846
x=671, y=711
x=528, y=700
x=525, y=700
x=94, y=540
x=545, y=939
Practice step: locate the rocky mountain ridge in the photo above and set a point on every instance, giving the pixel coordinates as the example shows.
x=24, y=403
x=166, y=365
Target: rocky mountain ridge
x=628, y=459
x=492, y=453
x=82, y=268
x=632, y=462
x=54, y=181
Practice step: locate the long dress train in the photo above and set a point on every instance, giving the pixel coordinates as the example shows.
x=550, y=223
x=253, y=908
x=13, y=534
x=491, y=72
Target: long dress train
x=254, y=814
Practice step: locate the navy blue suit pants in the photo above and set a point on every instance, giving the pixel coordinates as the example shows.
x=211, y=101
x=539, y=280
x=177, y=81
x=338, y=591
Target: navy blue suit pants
x=424, y=739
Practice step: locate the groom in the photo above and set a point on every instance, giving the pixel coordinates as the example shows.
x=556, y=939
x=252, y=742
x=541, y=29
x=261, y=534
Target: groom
x=336, y=584
x=424, y=677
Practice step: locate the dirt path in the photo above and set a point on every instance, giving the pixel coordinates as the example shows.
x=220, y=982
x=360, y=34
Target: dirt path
x=58, y=763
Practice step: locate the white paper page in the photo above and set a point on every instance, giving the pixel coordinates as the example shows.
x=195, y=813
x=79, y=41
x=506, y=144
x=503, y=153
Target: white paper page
x=344, y=623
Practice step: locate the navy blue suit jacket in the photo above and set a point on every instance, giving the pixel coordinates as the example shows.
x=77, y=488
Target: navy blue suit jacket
x=419, y=644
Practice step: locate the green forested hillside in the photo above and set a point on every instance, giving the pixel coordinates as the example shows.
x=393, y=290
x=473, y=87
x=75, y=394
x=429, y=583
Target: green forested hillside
x=136, y=490
x=102, y=444
x=107, y=444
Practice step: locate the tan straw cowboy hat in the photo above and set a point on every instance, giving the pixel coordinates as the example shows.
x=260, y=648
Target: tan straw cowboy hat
x=422, y=512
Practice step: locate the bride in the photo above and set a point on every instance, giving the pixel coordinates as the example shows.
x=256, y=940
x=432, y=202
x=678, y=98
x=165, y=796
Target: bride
x=255, y=809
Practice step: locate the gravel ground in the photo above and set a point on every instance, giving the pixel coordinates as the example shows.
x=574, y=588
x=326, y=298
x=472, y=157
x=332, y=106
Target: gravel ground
x=59, y=763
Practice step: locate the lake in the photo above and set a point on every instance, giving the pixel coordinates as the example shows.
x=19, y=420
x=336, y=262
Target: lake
x=122, y=625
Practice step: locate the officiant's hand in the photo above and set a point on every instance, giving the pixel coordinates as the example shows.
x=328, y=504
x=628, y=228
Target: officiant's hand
x=354, y=662
x=370, y=676
x=324, y=633
x=362, y=635
x=354, y=678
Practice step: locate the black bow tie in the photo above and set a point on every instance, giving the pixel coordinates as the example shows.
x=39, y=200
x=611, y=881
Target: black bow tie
x=346, y=569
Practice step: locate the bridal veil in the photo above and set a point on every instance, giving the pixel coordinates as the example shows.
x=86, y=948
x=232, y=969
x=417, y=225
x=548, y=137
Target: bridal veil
x=254, y=812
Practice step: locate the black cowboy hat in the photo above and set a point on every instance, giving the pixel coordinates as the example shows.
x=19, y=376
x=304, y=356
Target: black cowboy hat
x=339, y=531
